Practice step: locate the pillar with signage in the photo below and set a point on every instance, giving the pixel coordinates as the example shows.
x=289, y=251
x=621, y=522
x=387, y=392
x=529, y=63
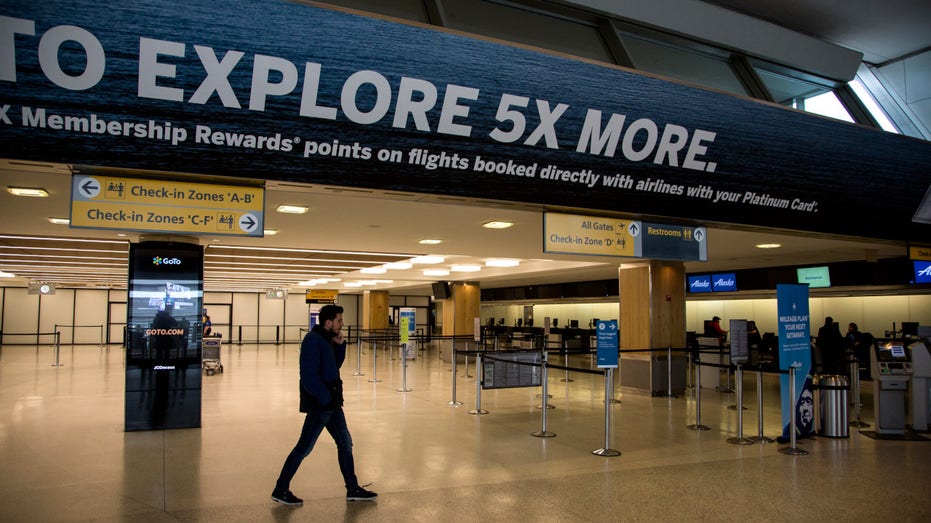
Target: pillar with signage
x=164, y=336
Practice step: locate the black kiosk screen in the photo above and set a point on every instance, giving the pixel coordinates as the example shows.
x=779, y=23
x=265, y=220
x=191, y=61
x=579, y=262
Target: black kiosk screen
x=163, y=357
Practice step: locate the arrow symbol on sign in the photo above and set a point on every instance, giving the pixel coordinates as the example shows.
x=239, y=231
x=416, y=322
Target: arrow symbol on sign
x=89, y=188
x=248, y=222
x=634, y=230
x=612, y=326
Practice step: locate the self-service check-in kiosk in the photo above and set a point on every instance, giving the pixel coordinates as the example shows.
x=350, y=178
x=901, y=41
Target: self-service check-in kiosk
x=892, y=370
x=921, y=385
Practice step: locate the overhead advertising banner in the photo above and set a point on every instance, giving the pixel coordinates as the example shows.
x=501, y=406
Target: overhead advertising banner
x=226, y=89
x=107, y=202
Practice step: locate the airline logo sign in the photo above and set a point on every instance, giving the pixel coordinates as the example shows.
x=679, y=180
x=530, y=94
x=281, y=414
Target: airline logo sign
x=107, y=202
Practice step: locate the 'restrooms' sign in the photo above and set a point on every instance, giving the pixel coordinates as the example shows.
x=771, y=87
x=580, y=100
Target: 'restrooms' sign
x=271, y=89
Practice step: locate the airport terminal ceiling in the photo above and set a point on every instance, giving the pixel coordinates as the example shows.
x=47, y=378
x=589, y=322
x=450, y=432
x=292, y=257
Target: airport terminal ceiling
x=362, y=228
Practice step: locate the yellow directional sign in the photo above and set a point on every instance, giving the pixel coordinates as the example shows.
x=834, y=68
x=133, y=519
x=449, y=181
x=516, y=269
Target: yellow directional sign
x=320, y=296
x=579, y=234
x=107, y=202
x=919, y=252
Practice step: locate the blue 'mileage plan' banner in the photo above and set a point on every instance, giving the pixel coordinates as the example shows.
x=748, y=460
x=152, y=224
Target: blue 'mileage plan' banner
x=267, y=89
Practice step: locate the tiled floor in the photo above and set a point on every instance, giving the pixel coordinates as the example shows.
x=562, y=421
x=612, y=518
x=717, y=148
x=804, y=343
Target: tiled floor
x=64, y=455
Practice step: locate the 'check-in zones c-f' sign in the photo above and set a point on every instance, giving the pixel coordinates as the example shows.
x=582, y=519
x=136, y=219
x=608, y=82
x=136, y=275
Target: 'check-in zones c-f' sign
x=106, y=202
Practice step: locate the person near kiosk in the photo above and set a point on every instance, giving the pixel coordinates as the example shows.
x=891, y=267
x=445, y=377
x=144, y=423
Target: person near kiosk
x=721, y=333
x=322, y=353
x=830, y=345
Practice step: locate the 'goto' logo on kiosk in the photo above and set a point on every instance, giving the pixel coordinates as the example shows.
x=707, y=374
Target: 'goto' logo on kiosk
x=158, y=260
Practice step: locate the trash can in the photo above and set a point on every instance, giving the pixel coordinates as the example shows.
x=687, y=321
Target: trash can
x=832, y=405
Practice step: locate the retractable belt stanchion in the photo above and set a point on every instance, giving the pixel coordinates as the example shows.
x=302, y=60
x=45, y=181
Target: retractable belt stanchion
x=760, y=438
x=543, y=433
x=740, y=439
x=607, y=451
x=479, y=376
x=698, y=425
x=404, y=387
x=358, y=371
x=792, y=449
x=453, y=402
x=543, y=394
x=565, y=351
x=688, y=372
x=58, y=362
x=855, y=386
x=374, y=360
x=467, y=375
x=669, y=393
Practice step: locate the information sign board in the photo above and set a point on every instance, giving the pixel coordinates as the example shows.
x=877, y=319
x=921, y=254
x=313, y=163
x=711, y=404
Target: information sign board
x=320, y=296
x=607, y=344
x=510, y=369
x=109, y=202
x=740, y=345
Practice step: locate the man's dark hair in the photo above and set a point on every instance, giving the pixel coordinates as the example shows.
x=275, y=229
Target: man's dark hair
x=329, y=312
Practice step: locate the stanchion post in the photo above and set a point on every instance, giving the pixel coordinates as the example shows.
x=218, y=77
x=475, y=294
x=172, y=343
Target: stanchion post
x=543, y=433
x=698, y=425
x=479, y=376
x=543, y=394
x=358, y=371
x=565, y=351
x=669, y=393
x=404, y=387
x=688, y=371
x=453, y=402
x=374, y=360
x=607, y=451
x=855, y=385
x=740, y=439
x=57, y=350
x=792, y=449
x=466, y=375
x=760, y=438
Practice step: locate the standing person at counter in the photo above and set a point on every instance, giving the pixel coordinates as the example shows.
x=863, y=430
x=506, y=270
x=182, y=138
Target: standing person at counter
x=721, y=333
x=830, y=343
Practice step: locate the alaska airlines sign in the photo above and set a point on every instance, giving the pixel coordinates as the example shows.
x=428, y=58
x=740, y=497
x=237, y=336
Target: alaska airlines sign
x=227, y=89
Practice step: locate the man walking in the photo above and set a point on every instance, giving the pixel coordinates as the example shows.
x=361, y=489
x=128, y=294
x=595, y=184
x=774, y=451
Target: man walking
x=322, y=353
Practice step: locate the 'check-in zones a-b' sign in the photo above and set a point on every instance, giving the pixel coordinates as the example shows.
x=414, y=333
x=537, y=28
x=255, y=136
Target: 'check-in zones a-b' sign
x=105, y=202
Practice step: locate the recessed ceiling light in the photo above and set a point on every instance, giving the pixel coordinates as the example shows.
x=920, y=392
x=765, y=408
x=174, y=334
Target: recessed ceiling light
x=430, y=241
x=502, y=263
x=399, y=265
x=428, y=259
x=768, y=245
x=59, y=221
x=373, y=270
x=436, y=272
x=34, y=192
x=352, y=284
x=291, y=209
x=466, y=267
x=270, y=232
x=6, y=275
x=497, y=225
x=368, y=282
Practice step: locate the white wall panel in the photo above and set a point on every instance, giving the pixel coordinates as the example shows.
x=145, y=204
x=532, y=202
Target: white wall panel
x=20, y=315
x=90, y=309
x=57, y=310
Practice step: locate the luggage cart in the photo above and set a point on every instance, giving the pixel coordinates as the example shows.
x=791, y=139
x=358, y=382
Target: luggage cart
x=211, y=363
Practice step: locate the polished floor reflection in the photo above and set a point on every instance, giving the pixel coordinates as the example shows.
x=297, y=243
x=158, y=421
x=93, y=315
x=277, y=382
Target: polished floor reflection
x=65, y=457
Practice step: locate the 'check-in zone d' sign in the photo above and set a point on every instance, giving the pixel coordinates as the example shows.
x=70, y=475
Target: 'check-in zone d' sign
x=104, y=202
x=594, y=235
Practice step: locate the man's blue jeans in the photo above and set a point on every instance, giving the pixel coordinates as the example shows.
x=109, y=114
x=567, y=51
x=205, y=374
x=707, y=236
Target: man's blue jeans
x=335, y=423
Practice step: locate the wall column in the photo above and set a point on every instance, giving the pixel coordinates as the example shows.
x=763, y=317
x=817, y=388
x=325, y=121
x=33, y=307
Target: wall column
x=374, y=310
x=461, y=309
x=652, y=316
